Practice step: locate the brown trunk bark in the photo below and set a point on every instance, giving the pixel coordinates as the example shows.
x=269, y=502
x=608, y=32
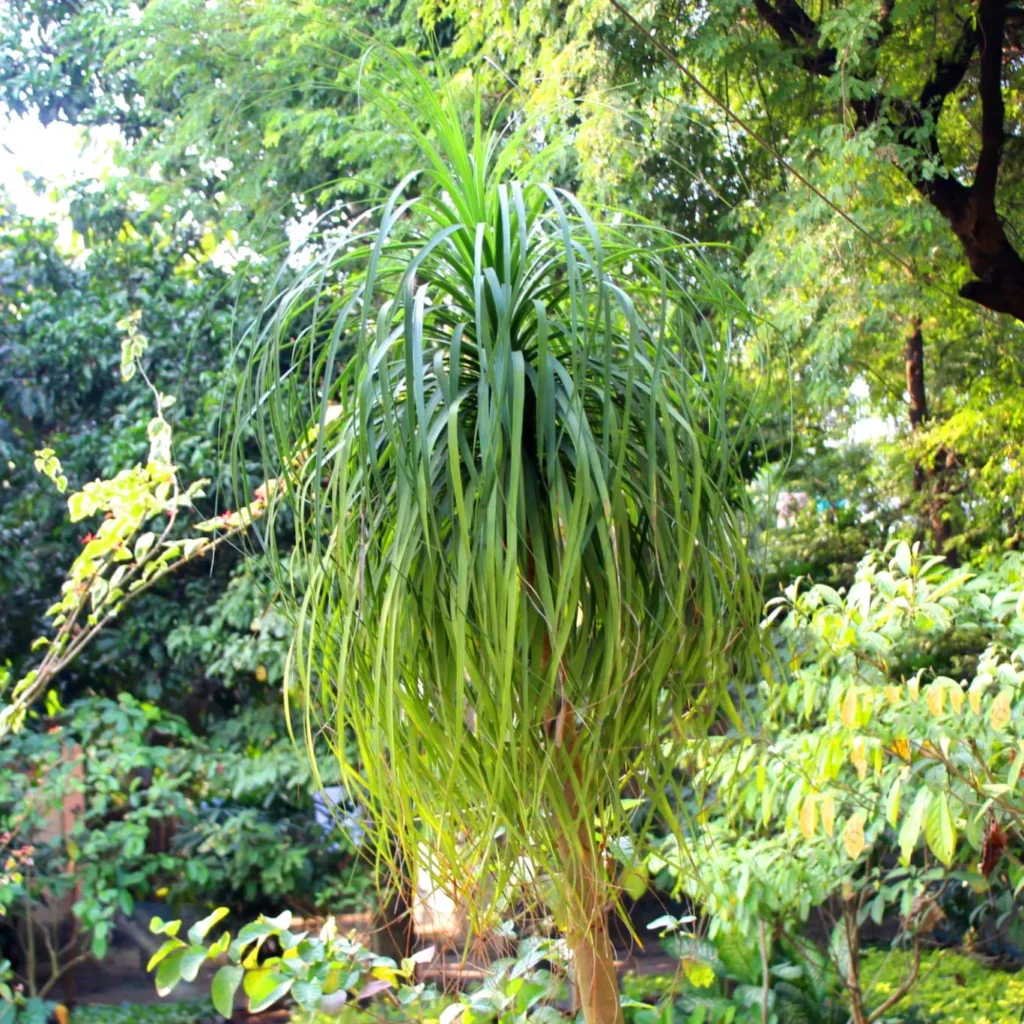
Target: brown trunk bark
x=852, y=979
x=993, y=260
x=913, y=357
x=913, y=354
x=942, y=531
x=596, y=979
x=597, y=984
x=917, y=413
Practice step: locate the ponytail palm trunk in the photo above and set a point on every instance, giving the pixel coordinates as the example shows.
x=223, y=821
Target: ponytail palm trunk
x=500, y=426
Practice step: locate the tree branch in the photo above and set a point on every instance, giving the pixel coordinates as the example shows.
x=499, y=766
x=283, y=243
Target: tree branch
x=947, y=193
x=991, y=29
x=949, y=71
x=904, y=987
x=797, y=29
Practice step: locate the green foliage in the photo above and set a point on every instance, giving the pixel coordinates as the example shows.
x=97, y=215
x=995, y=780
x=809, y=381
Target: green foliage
x=60, y=358
x=514, y=502
x=953, y=989
x=192, y=1012
x=336, y=976
x=121, y=559
x=868, y=749
x=728, y=988
x=245, y=116
x=121, y=766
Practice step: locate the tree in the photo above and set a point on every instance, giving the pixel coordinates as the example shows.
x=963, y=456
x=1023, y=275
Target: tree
x=522, y=558
x=973, y=47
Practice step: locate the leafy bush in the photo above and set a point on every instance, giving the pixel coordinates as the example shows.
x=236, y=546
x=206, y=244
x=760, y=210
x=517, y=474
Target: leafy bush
x=191, y=1012
x=121, y=763
x=953, y=989
x=886, y=752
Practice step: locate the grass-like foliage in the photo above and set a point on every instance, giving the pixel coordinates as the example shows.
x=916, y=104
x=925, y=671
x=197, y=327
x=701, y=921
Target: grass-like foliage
x=501, y=429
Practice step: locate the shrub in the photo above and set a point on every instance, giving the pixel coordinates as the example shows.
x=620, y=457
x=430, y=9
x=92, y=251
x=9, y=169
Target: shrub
x=952, y=988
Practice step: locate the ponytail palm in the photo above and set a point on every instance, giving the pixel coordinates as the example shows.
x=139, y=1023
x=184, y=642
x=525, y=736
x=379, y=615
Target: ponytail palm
x=501, y=431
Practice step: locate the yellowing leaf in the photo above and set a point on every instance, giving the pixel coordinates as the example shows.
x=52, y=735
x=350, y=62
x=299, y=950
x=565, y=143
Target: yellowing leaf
x=914, y=688
x=936, y=699
x=848, y=711
x=698, y=973
x=809, y=816
x=893, y=694
x=828, y=815
x=859, y=759
x=853, y=836
x=956, y=698
x=901, y=748
x=1001, y=714
x=974, y=699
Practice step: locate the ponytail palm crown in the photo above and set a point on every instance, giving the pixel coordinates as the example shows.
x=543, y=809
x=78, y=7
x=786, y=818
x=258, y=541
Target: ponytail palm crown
x=500, y=427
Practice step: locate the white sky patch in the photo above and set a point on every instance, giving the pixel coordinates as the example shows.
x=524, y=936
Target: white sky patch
x=868, y=428
x=60, y=154
x=859, y=389
x=872, y=428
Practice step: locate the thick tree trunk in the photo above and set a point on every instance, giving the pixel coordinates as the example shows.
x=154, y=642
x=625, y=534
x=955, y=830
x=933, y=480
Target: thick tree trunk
x=995, y=263
x=596, y=979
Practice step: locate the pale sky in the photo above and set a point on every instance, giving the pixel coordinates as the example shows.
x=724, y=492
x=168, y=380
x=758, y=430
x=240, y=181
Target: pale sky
x=59, y=152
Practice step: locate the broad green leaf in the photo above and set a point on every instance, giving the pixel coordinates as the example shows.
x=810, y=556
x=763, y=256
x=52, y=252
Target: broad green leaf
x=143, y=544
x=912, y=824
x=451, y=1013
x=264, y=986
x=902, y=557
x=163, y=951
x=939, y=830
x=191, y=960
x=223, y=988
x=168, y=974
x=35, y=1011
x=201, y=929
